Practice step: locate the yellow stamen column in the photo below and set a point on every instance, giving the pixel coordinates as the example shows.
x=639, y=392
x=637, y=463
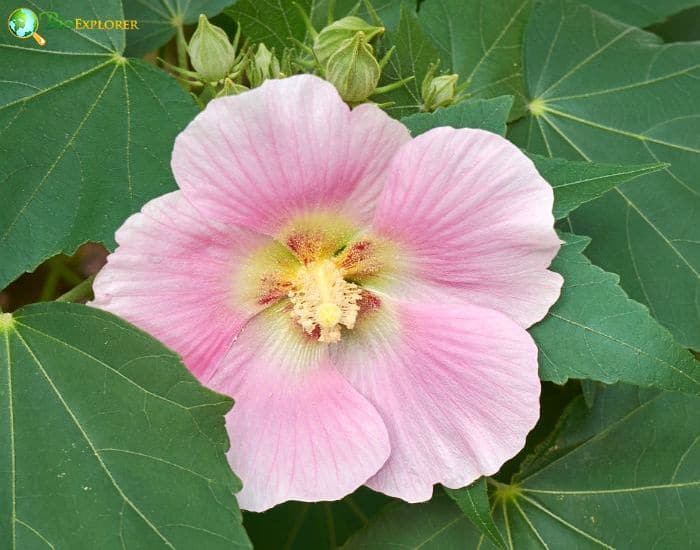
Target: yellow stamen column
x=322, y=298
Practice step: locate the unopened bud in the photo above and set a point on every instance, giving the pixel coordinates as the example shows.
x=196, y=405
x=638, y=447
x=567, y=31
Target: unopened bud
x=439, y=91
x=211, y=52
x=332, y=37
x=263, y=65
x=266, y=63
x=354, y=70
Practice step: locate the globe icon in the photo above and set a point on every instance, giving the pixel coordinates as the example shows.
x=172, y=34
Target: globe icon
x=24, y=23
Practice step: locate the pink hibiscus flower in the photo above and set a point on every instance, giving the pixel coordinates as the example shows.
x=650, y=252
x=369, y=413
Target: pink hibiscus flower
x=363, y=296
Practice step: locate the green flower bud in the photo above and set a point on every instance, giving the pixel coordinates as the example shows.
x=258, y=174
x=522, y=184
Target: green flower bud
x=332, y=37
x=211, y=52
x=354, y=70
x=231, y=88
x=266, y=61
x=439, y=91
x=262, y=65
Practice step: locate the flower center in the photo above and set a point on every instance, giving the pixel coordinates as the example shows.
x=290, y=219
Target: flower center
x=322, y=300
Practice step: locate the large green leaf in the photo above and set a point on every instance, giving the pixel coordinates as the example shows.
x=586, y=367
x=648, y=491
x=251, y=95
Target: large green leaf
x=85, y=138
x=681, y=27
x=640, y=13
x=277, y=23
x=474, y=502
x=159, y=19
x=596, y=332
x=481, y=41
x=435, y=525
x=487, y=114
x=576, y=183
x=317, y=526
x=389, y=11
x=106, y=440
x=607, y=92
x=624, y=474
x=413, y=56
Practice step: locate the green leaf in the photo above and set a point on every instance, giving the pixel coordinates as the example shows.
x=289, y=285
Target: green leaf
x=317, y=526
x=640, y=13
x=596, y=332
x=159, y=19
x=585, y=106
x=413, y=56
x=86, y=138
x=623, y=474
x=474, y=502
x=635, y=452
x=275, y=22
x=576, y=183
x=389, y=11
x=481, y=40
x=106, y=440
x=487, y=114
x=435, y=525
x=681, y=27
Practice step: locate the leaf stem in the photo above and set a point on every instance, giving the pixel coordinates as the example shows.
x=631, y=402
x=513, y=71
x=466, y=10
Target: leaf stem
x=181, y=47
x=51, y=282
x=78, y=292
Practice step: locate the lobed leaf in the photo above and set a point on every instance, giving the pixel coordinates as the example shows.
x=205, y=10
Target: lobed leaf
x=603, y=91
x=158, y=20
x=481, y=41
x=413, y=56
x=474, y=502
x=640, y=13
x=107, y=440
x=313, y=525
x=576, y=183
x=388, y=11
x=596, y=332
x=85, y=138
x=277, y=23
x=487, y=114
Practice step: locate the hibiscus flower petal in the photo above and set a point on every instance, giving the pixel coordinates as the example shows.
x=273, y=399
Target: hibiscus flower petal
x=179, y=277
x=474, y=215
x=456, y=385
x=291, y=146
x=298, y=430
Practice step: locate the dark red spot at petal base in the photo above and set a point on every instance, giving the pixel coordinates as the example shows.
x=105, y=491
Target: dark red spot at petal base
x=306, y=246
x=360, y=258
x=272, y=288
x=367, y=303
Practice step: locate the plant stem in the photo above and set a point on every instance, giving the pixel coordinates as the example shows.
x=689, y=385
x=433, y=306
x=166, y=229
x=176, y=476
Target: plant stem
x=78, y=292
x=181, y=48
x=51, y=282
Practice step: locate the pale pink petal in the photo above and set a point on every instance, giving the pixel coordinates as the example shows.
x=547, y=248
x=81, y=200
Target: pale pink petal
x=178, y=276
x=474, y=215
x=374, y=140
x=288, y=147
x=456, y=385
x=298, y=430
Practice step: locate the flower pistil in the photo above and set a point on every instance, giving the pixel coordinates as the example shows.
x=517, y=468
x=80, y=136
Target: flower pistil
x=323, y=300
